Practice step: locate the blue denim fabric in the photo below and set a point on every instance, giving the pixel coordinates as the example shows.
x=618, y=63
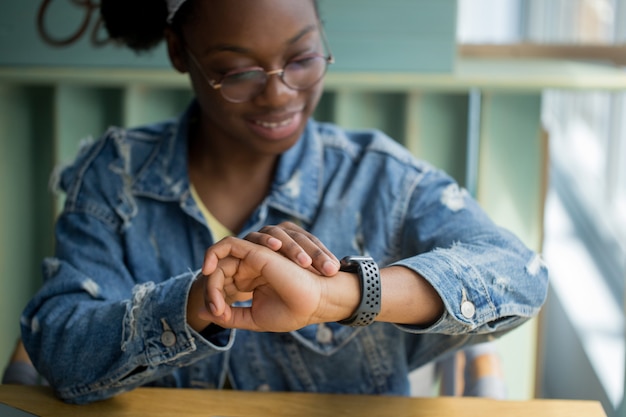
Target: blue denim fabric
x=111, y=313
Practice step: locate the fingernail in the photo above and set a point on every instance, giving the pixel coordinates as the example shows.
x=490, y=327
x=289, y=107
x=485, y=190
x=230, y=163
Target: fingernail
x=213, y=309
x=274, y=243
x=304, y=259
x=330, y=268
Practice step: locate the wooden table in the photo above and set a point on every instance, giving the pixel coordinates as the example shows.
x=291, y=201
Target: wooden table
x=159, y=402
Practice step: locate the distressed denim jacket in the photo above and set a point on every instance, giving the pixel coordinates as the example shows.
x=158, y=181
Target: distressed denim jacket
x=111, y=314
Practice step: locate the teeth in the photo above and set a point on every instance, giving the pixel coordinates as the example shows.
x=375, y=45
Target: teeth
x=273, y=125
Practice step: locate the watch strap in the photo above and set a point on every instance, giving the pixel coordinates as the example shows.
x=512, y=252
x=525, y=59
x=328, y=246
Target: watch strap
x=369, y=282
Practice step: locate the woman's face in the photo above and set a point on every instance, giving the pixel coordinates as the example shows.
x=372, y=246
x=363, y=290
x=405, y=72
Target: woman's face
x=229, y=35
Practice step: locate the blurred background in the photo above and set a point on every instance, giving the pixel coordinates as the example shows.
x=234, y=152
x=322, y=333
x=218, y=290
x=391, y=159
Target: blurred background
x=521, y=100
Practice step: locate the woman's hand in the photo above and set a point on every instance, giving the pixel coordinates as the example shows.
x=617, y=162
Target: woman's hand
x=285, y=296
x=301, y=248
x=298, y=245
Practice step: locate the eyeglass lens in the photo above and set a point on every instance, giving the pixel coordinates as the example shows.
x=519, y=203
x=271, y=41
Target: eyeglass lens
x=298, y=75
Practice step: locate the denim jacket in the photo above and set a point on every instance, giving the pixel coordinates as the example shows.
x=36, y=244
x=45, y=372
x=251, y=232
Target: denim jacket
x=111, y=314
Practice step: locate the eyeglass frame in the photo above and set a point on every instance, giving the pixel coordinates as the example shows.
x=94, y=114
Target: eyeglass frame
x=217, y=84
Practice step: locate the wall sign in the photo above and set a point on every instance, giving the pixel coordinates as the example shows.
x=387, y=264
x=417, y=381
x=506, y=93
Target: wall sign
x=90, y=25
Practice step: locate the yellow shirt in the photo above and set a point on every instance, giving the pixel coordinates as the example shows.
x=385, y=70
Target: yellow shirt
x=219, y=232
x=218, y=229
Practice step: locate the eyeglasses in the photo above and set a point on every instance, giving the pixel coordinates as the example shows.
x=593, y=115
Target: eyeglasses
x=244, y=84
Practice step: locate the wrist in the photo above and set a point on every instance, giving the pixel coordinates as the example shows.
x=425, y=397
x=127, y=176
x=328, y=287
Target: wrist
x=195, y=305
x=340, y=297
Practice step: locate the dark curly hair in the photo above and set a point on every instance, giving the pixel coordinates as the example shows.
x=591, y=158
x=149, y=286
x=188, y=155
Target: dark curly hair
x=139, y=24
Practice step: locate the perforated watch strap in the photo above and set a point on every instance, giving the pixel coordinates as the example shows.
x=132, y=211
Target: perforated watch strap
x=369, y=281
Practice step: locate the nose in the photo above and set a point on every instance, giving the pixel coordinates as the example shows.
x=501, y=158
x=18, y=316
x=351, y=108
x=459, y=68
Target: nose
x=276, y=93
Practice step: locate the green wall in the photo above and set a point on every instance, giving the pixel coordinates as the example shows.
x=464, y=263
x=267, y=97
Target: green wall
x=25, y=206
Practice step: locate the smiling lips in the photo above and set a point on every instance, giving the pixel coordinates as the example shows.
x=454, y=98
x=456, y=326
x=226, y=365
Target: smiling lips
x=273, y=125
x=276, y=128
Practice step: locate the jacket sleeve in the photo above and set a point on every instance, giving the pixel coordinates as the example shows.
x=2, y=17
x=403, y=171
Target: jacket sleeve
x=94, y=330
x=489, y=281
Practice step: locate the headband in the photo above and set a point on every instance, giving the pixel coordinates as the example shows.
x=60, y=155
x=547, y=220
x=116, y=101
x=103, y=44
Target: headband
x=172, y=8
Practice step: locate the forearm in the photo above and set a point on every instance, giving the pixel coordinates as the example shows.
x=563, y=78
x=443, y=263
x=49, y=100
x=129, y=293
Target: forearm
x=407, y=298
x=92, y=349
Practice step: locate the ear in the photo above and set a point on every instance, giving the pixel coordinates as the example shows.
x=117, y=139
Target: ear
x=176, y=51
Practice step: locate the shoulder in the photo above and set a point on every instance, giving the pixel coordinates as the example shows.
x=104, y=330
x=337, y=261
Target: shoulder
x=117, y=149
x=366, y=144
x=112, y=161
x=373, y=159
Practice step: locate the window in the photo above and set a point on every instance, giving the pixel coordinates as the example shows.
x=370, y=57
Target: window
x=588, y=137
x=585, y=240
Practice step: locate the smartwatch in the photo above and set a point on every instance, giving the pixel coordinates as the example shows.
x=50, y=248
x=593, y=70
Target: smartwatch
x=369, y=282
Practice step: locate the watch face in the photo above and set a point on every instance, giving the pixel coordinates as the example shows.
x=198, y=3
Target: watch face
x=358, y=258
x=351, y=260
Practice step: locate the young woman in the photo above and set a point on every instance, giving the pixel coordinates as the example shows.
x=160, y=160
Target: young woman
x=245, y=187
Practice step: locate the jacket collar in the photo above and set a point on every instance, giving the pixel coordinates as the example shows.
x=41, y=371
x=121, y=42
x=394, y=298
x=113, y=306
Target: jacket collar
x=296, y=188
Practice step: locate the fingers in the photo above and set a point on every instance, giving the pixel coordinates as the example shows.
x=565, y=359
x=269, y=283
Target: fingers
x=222, y=289
x=227, y=247
x=287, y=246
x=284, y=295
x=213, y=305
x=210, y=262
x=265, y=239
x=214, y=296
x=298, y=245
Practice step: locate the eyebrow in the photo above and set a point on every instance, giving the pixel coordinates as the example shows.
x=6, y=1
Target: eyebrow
x=225, y=47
